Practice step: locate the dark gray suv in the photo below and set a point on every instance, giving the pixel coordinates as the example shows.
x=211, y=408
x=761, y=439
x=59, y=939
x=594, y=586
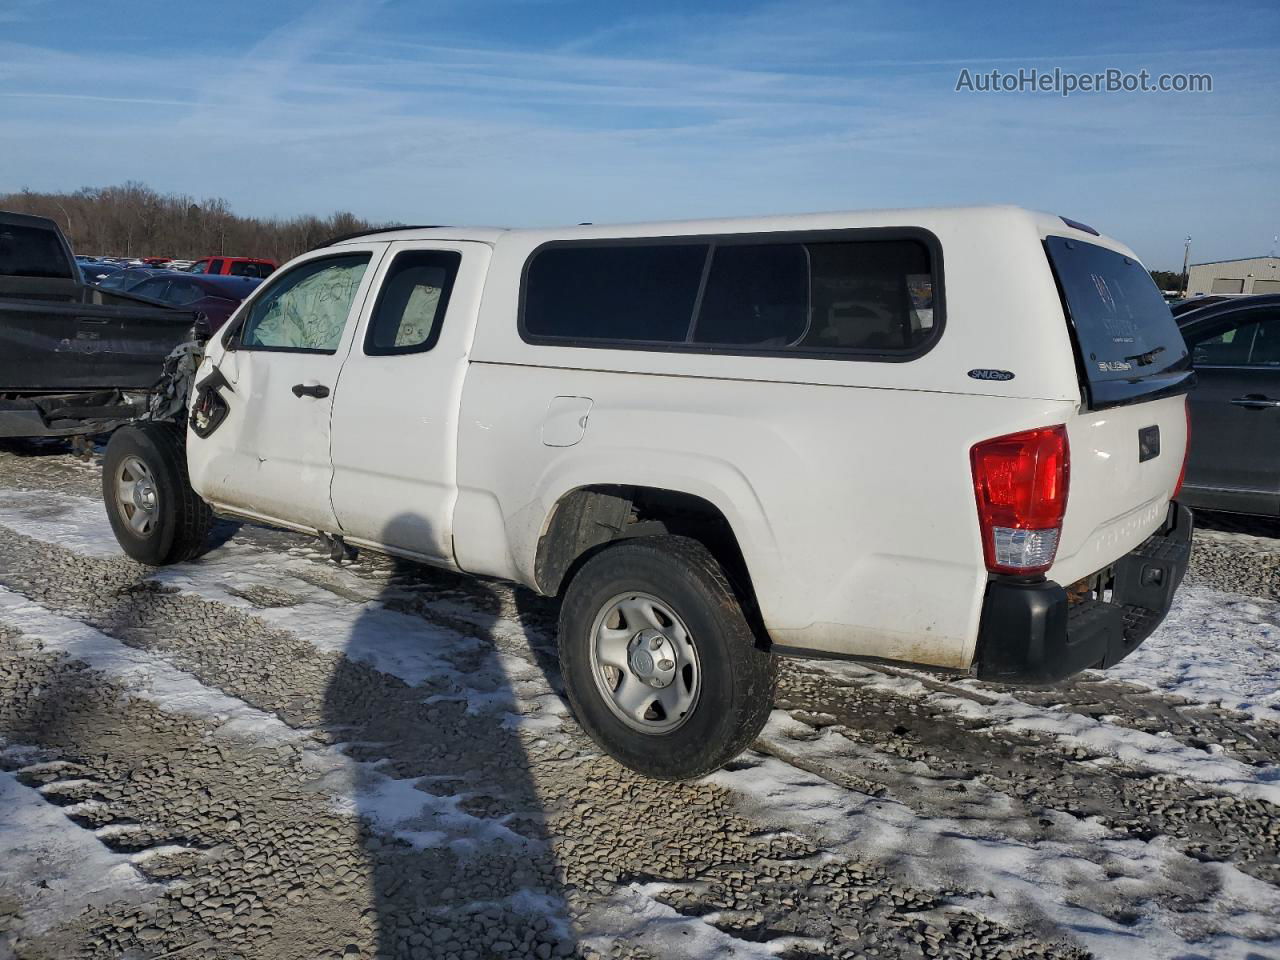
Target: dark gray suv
x=1234, y=463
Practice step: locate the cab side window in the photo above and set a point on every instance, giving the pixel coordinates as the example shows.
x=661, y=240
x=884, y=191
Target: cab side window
x=1266, y=343
x=412, y=302
x=305, y=311
x=1230, y=348
x=845, y=294
x=256, y=270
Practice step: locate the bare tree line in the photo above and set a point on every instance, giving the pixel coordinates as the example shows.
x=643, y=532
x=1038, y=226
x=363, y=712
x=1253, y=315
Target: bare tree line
x=134, y=220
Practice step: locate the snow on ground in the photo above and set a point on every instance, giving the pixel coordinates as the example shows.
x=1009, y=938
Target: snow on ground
x=397, y=807
x=77, y=523
x=143, y=674
x=636, y=916
x=63, y=869
x=1214, y=647
x=354, y=621
x=1005, y=712
x=401, y=645
x=1073, y=880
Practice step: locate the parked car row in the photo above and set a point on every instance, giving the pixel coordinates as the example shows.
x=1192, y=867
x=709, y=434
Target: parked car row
x=97, y=268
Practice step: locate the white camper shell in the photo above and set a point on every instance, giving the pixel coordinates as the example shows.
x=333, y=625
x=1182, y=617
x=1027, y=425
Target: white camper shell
x=944, y=437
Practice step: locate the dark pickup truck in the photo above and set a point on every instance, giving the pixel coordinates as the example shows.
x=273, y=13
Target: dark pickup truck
x=74, y=359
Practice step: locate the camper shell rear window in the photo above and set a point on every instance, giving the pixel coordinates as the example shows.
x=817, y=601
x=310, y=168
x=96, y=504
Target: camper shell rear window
x=1122, y=328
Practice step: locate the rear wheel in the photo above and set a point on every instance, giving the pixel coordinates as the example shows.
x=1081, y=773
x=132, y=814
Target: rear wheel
x=155, y=514
x=660, y=664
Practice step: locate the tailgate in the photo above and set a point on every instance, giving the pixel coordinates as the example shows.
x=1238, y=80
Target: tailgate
x=50, y=347
x=1125, y=463
x=1127, y=441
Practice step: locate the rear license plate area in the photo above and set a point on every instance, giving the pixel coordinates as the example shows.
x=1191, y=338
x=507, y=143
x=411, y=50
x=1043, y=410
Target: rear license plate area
x=1148, y=443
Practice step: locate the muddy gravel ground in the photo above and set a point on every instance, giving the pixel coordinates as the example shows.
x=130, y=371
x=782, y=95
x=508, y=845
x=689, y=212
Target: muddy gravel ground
x=265, y=754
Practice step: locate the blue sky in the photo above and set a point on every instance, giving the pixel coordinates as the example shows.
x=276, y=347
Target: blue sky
x=541, y=111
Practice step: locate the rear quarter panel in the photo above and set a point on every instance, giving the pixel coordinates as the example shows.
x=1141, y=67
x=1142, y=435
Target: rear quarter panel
x=854, y=507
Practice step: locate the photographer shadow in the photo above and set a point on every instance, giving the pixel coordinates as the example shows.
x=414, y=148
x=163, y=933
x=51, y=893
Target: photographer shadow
x=424, y=705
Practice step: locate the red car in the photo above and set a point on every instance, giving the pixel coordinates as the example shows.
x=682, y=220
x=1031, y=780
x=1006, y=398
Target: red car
x=234, y=266
x=157, y=261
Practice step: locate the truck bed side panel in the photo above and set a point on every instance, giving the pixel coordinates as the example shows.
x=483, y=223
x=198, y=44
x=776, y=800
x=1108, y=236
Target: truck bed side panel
x=787, y=465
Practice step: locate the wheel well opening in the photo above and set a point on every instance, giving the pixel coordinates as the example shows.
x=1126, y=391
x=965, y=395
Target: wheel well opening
x=587, y=519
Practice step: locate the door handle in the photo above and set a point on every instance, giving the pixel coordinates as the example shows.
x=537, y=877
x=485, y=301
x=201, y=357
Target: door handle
x=317, y=390
x=1255, y=401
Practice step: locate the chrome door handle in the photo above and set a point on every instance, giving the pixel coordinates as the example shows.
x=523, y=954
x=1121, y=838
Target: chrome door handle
x=317, y=390
x=1255, y=401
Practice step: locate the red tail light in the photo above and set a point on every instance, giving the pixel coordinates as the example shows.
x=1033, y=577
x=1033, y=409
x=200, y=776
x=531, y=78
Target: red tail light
x=1021, y=481
x=1186, y=451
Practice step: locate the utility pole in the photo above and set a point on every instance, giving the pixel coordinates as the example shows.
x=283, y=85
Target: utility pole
x=1186, y=257
x=67, y=215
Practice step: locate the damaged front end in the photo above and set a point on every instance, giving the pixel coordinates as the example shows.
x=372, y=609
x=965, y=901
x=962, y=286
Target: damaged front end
x=208, y=407
x=168, y=398
x=177, y=390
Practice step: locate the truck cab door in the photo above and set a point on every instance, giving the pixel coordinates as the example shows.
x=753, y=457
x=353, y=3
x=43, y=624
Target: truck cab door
x=269, y=456
x=395, y=414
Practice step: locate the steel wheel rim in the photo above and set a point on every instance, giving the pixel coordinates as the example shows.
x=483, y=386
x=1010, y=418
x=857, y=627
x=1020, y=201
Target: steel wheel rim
x=136, y=496
x=644, y=663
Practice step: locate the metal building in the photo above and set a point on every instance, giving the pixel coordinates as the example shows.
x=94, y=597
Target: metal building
x=1251, y=275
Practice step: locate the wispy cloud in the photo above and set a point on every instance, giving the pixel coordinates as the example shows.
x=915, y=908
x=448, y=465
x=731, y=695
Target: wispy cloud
x=769, y=108
x=92, y=98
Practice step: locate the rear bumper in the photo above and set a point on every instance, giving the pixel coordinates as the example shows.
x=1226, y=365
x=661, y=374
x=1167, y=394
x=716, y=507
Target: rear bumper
x=1031, y=633
x=69, y=414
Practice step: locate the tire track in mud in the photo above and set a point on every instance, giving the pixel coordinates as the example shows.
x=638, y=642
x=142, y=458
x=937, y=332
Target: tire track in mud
x=1208, y=728
x=229, y=820
x=1205, y=727
x=595, y=831
x=955, y=763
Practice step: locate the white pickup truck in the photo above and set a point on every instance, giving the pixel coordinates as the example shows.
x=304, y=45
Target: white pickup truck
x=950, y=438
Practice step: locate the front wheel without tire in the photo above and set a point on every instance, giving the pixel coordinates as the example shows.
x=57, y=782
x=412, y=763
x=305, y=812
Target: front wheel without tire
x=660, y=665
x=156, y=516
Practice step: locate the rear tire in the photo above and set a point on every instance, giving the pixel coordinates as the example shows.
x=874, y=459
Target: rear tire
x=692, y=687
x=156, y=516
